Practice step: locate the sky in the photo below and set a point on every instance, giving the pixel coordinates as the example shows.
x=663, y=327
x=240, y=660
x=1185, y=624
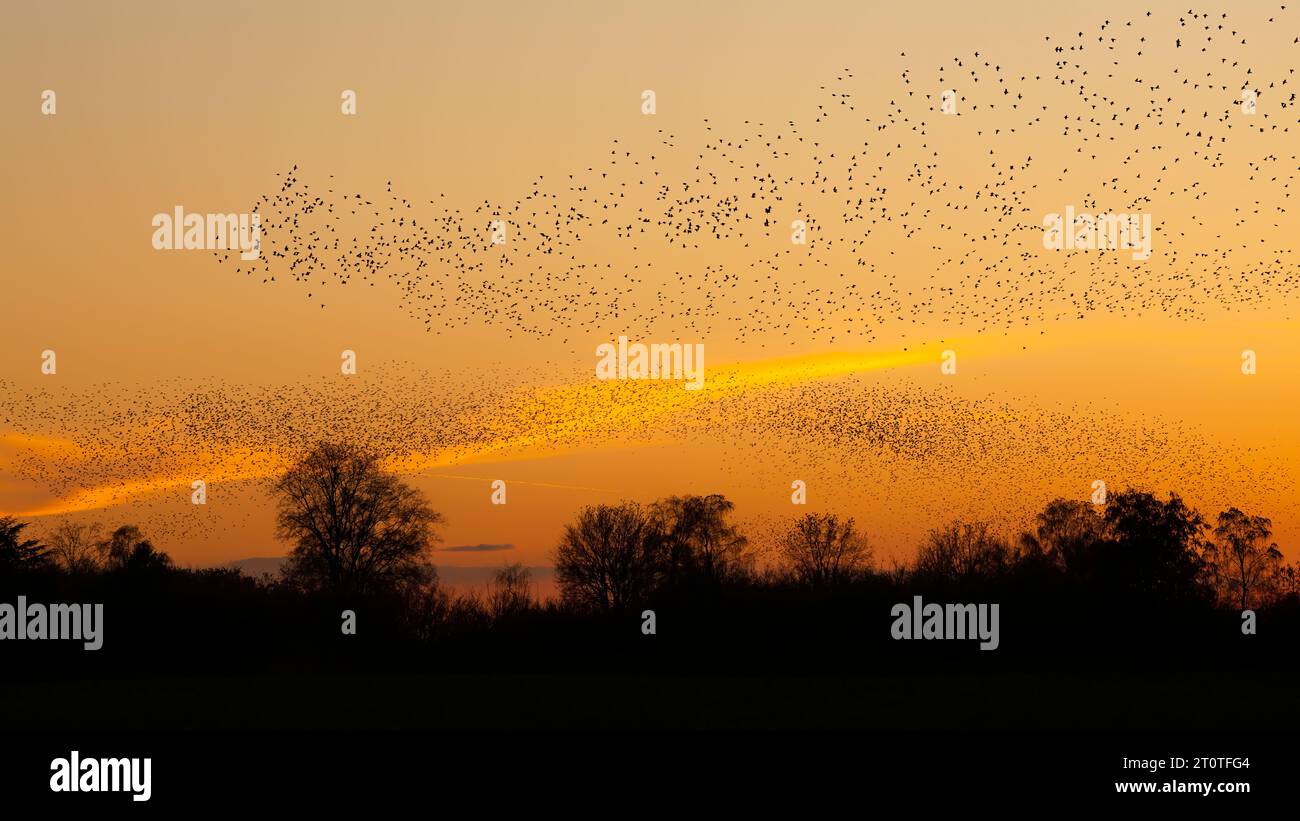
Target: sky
x=476, y=361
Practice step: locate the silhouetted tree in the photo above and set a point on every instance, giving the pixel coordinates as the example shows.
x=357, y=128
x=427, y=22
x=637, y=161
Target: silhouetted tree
x=127, y=550
x=1288, y=580
x=146, y=558
x=424, y=603
x=17, y=553
x=822, y=551
x=1067, y=531
x=699, y=543
x=1153, y=547
x=1243, y=552
x=510, y=594
x=963, y=551
x=610, y=559
x=73, y=546
x=355, y=528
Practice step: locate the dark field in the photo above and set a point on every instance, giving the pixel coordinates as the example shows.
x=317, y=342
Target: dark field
x=1197, y=702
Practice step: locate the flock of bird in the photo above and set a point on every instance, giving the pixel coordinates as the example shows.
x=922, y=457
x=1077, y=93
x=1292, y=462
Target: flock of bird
x=917, y=223
x=920, y=453
x=911, y=216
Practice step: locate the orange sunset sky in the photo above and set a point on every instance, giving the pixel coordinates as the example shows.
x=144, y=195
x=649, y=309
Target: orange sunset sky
x=476, y=361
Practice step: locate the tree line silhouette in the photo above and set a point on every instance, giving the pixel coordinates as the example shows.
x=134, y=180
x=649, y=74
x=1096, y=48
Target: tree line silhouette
x=1140, y=578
